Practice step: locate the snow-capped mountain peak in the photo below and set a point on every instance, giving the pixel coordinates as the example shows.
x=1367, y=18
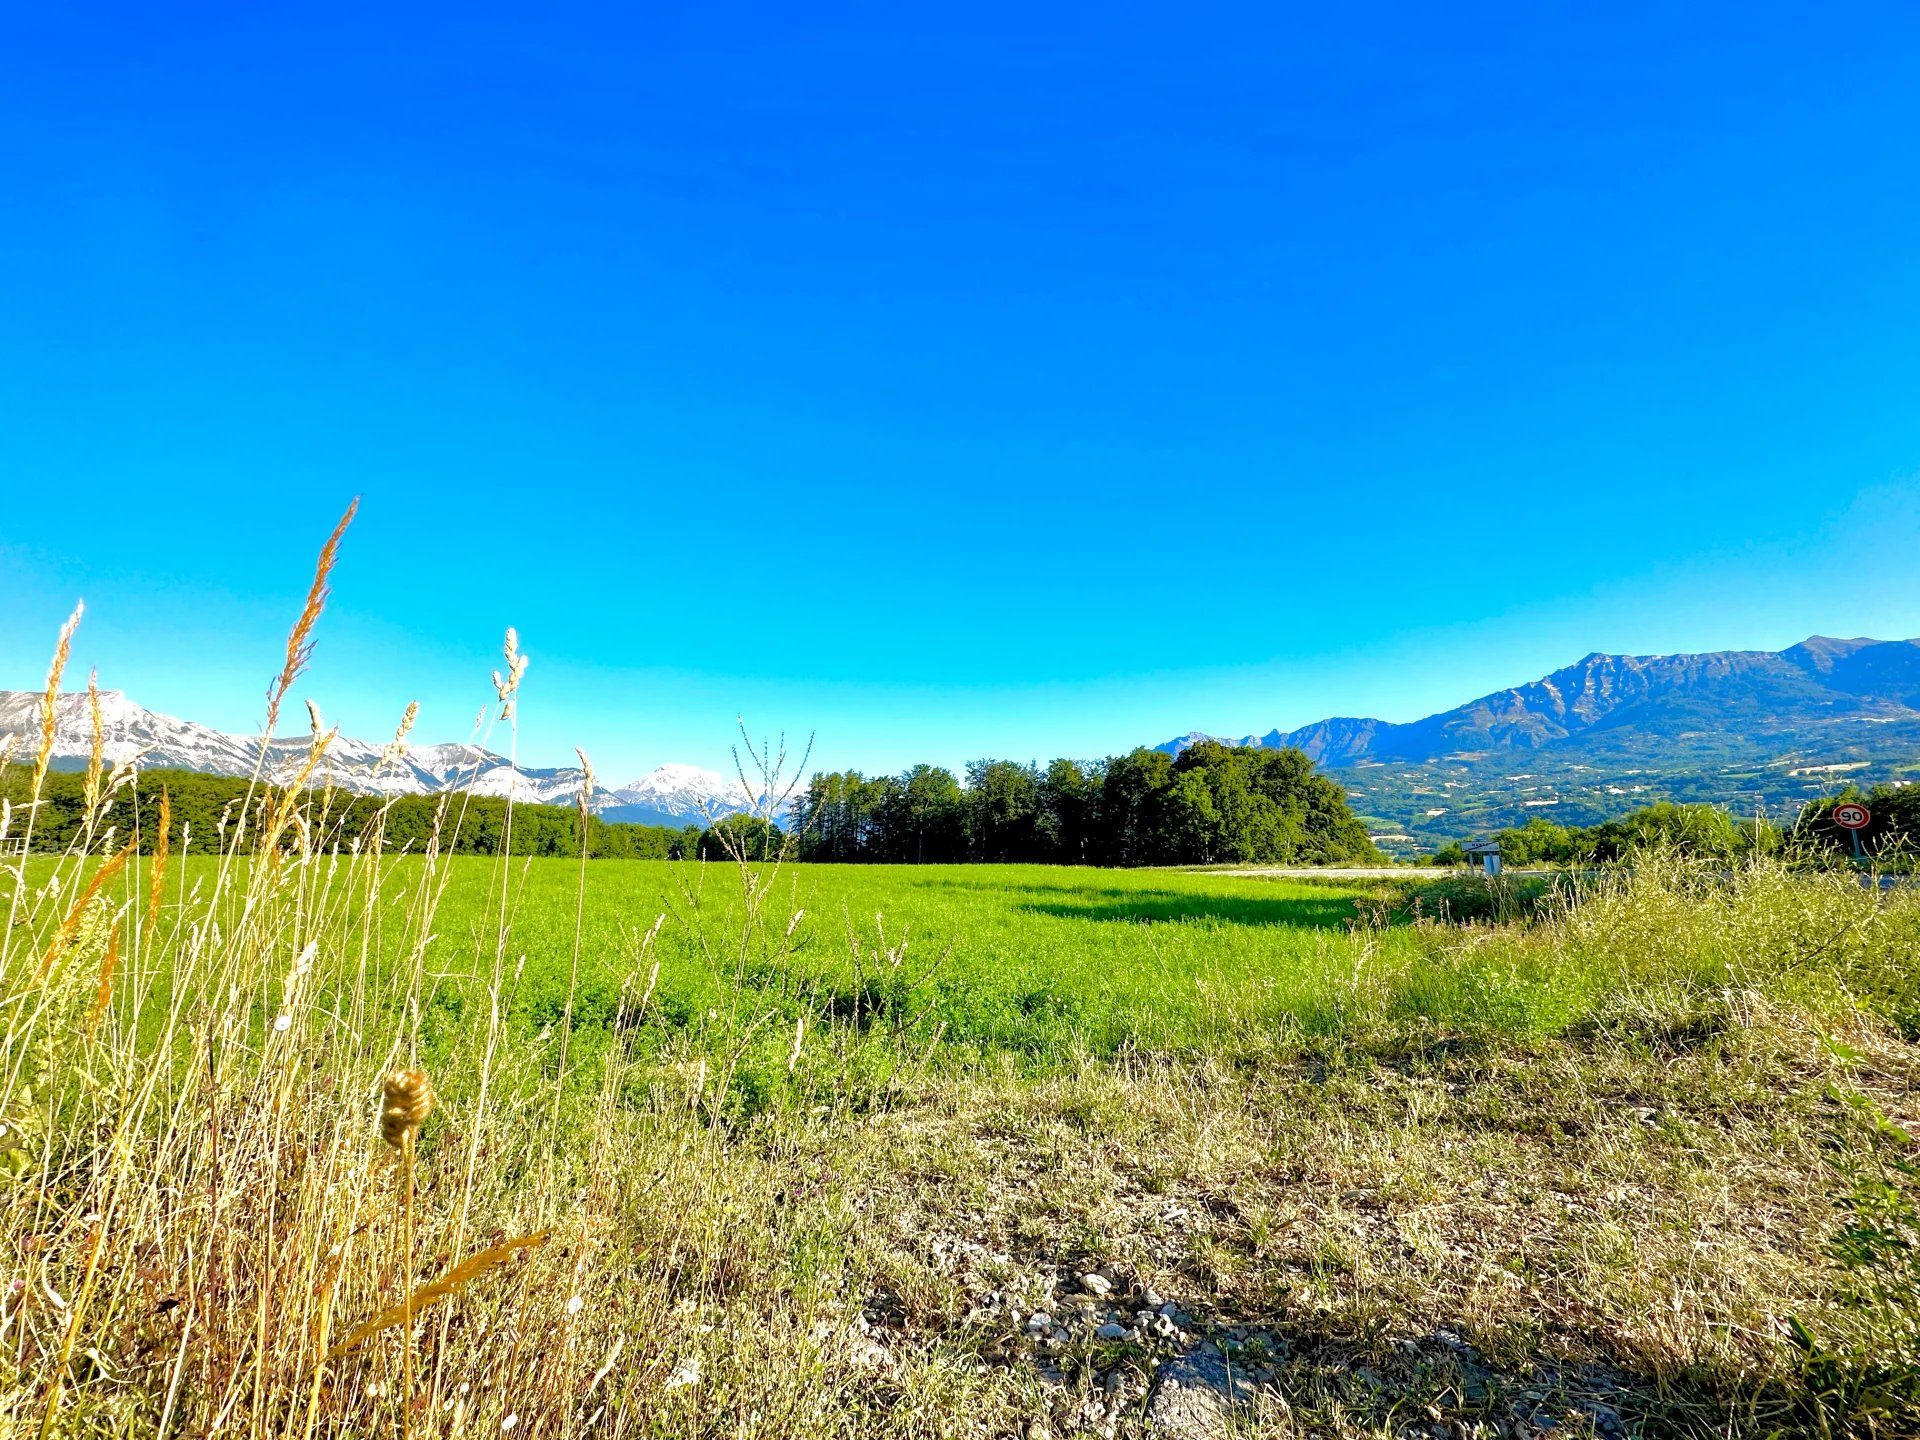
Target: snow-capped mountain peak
x=672, y=795
x=684, y=794
x=673, y=779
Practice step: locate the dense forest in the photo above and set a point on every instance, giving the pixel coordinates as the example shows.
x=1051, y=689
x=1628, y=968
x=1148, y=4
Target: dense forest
x=1214, y=803
x=202, y=804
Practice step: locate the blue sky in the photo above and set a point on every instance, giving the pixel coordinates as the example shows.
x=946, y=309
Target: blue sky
x=1015, y=381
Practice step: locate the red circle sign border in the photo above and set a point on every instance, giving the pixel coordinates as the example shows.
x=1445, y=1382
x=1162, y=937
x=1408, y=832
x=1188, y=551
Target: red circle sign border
x=1851, y=816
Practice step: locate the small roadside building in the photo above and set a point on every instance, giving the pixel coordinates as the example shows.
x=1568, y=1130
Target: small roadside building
x=1485, y=853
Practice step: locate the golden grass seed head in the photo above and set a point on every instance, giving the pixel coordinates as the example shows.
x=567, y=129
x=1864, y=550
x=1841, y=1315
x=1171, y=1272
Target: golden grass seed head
x=300, y=638
x=406, y=1100
x=49, y=713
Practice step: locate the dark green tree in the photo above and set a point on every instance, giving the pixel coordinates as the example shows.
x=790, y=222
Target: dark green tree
x=1069, y=811
x=741, y=837
x=1003, y=811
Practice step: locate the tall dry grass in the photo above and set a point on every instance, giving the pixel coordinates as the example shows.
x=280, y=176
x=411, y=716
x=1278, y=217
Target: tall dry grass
x=232, y=1200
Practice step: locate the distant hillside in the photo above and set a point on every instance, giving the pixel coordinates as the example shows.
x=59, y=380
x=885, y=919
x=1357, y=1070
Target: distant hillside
x=1746, y=728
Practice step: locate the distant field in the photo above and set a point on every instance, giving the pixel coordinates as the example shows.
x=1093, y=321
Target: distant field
x=1043, y=963
x=959, y=961
x=994, y=957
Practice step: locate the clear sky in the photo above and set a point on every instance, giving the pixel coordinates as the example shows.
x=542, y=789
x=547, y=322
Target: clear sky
x=958, y=381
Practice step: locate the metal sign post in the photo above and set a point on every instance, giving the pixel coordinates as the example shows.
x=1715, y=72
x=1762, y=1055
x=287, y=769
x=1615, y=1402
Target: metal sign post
x=1852, y=817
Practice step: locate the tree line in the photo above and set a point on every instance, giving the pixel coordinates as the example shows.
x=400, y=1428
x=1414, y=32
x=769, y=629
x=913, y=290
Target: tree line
x=1213, y=803
x=1893, y=830
x=201, y=805
x=1712, y=832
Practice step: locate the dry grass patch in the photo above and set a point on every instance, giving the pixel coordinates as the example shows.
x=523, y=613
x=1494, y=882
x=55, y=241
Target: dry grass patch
x=1599, y=1221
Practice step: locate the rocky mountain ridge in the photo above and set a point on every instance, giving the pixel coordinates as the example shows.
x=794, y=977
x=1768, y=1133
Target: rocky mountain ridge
x=1755, y=730
x=1795, y=693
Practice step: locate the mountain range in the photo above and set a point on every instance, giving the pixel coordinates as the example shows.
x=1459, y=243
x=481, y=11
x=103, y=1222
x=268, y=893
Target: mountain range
x=1752, y=729
x=672, y=795
x=1748, y=728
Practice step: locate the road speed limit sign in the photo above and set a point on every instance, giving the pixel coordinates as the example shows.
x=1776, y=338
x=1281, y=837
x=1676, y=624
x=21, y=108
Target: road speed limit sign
x=1851, y=816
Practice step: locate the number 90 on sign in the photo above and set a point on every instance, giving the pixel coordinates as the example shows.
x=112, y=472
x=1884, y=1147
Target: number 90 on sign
x=1851, y=816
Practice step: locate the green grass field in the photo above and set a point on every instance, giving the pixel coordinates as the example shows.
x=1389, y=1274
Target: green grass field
x=1027, y=959
x=1050, y=964
x=814, y=1150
